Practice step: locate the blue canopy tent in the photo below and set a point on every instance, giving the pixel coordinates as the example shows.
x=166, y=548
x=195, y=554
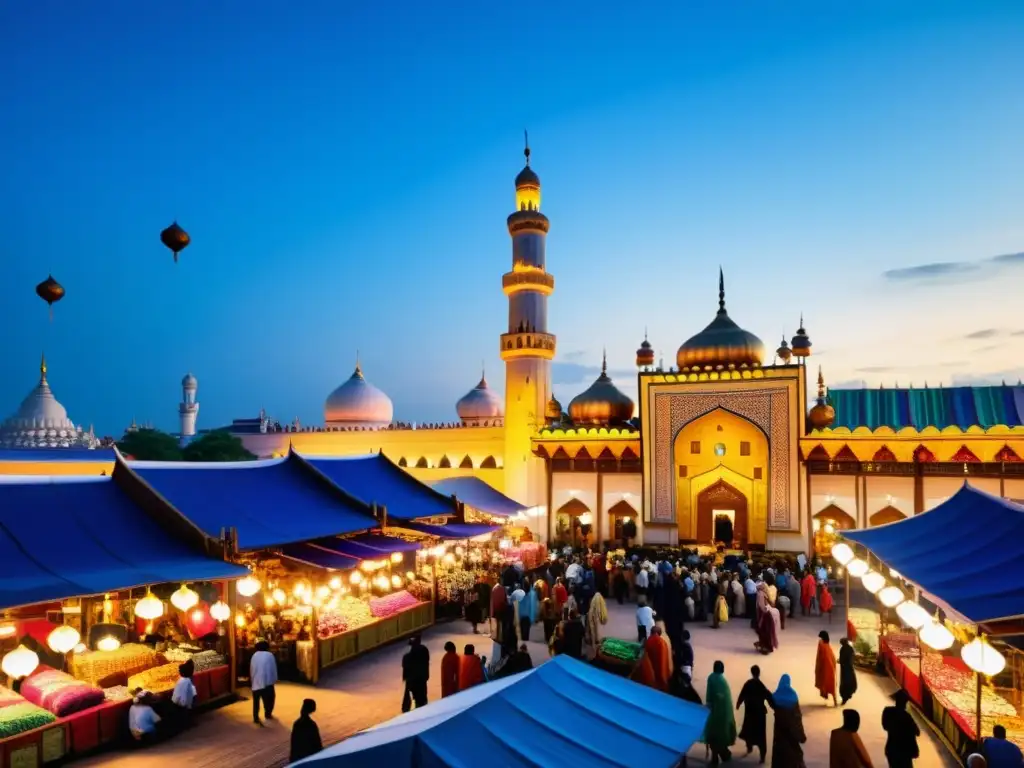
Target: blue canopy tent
x=311, y=554
x=269, y=503
x=601, y=720
x=453, y=530
x=64, y=537
x=375, y=479
x=479, y=495
x=951, y=552
x=385, y=543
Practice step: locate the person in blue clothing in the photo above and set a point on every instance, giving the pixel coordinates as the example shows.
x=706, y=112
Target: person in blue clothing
x=1000, y=752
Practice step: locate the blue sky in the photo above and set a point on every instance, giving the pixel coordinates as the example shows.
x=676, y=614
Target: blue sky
x=345, y=172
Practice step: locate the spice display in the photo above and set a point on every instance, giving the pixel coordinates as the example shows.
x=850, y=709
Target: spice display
x=396, y=602
x=18, y=718
x=330, y=623
x=130, y=658
x=456, y=586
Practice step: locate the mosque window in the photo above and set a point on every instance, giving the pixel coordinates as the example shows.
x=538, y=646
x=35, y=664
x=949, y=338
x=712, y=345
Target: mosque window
x=489, y=463
x=402, y=462
x=445, y=463
x=467, y=463
x=719, y=449
x=422, y=463
x=757, y=473
x=744, y=448
x=695, y=446
x=682, y=470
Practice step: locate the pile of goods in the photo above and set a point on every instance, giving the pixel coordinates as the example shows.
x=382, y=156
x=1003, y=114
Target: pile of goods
x=903, y=645
x=330, y=623
x=59, y=693
x=117, y=693
x=531, y=554
x=157, y=679
x=623, y=651
x=419, y=589
x=22, y=716
x=389, y=605
x=129, y=659
x=456, y=586
x=205, y=660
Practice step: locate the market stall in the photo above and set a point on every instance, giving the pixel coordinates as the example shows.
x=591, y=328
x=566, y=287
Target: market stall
x=946, y=617
x=98, y=598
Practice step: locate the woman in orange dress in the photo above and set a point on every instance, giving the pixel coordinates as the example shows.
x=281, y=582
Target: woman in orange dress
x=471, y=669
x=825, y=669
x=656, y=650
x=826, y=601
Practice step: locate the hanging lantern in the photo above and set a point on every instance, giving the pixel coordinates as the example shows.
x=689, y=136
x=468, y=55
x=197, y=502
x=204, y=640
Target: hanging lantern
x=108, y=643
x=220, y=611
x=50, y=291
x=912, y=614
x=8, y=630
x=873, y=581
x=323, y=591
x=396, y=557
x=335, y=582
x=19, y=663
x=894, y=573
x=63, y=639
x=396, y=581
x=240, y=620
x=184, y=599
x=982, y=657
x=936, y=636
x=356, y=577
x=81, y=648
x=857, y=568
x=149, y=607
x=279, y=595
x=248, y=586
x=842, y=552
x=891, y=596
x=176, y=239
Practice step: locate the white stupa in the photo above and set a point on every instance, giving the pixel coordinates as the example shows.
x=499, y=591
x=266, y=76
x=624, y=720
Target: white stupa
x=42, y=422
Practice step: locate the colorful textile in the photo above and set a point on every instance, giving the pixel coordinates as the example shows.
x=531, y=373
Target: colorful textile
x=59, y=693
x=18, y=718
x=928, y=407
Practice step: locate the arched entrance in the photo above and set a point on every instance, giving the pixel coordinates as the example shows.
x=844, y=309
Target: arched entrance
x=620, y=513
x=572, y=523
x=722, y=515
x=885, y=515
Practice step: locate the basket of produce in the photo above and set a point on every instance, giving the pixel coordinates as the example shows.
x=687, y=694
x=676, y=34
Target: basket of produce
x=620, y=657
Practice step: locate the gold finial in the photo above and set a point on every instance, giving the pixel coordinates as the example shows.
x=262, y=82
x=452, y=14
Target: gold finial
x=526, y=147
x=604, y=361
x=821, y=384
x=721, y=291
x=359, y=368
x=42, y=366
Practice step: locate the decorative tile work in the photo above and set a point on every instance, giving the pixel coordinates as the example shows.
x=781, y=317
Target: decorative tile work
x=767, y=408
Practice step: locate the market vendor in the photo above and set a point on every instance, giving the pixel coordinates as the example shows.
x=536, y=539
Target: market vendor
x=143, y=721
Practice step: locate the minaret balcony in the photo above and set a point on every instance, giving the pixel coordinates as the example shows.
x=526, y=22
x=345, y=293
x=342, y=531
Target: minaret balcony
x=528, y=221
x=527, y=344
x=535, y=280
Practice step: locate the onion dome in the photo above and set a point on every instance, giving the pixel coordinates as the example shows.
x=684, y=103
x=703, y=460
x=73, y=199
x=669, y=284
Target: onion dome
x=602, y=403
x=821, y=414
x=479, y=405
x=801, y=343
x=42, y=422
x=645, y=354
x=723, y=344
x=527, y=177
x=176, y=239
x=189, y=382
x=357, y=403
x=553, y=412
x=784, y=352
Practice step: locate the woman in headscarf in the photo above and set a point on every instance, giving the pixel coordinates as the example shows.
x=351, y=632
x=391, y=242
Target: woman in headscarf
x=499, y=602
x=767, y=637
x=845, y=749
x=681, y=687
x=754, y=695
x=847, y=674
x=305, y=733
x=826, y=601
x=789, y=735
x=720, y=729
x=721, y=609
x=527, y=611
x=825, y=669
x=471, y=669
x=597, y=617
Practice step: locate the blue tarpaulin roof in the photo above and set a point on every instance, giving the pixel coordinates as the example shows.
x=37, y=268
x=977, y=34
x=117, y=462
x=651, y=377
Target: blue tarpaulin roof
x=952, y=551
x=562, y=713
x=478, y=494
x=309, y=553
x=352, y=548
x=99, y=455
x=270, y=503
x=63, y=537
x=453, y=530
x=939, y=407
x=385, y=543
x=375, y=479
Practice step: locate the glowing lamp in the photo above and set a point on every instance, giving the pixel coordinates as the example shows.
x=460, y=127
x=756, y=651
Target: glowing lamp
x=891, y=596
x=355, y=578
x=21, y=662
x=220, y=611
x=842, y=552
x=366, y=565
x=912, y=614
x=240, y=620
x=323, y=591
x=873, y=581
x=8, y=630
x=108, y=643
x=81, y=648
x=894, y=573
x=857, y=568
x=300, y=589
x=460, y=550
x=982, y=657
x=149, y=607
x=816, y=524
x=936, y=636
x=410, y=576
x=396, y=581
x=248, y=586
x=449, y=558
x=63, y=639
x=586, y=518
x=184, y=599
x=396, y=557
x=279, y=595
x=830, y=528
x=335, y=582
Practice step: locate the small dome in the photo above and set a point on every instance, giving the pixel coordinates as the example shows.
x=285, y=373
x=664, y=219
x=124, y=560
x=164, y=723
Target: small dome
x=189, y=382
x=721, y=343
x=602, y=403
x=553, y=412
x=357, y=403
x=645, y=354
x=801, y=343
x=41, y=420
x=822, y=414
x=527, y=178
x=479, y=405
x=784, y=352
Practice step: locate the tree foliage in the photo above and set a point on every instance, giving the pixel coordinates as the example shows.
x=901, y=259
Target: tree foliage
x=150, y=445
x=217, y=446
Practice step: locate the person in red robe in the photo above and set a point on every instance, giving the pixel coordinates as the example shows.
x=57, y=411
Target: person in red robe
x=471, y=669
x=825, y=669
x=826, y=602
x=656, y=649
x=808, y=586
x=449, y=670
x=499, y=599
x=561, y=595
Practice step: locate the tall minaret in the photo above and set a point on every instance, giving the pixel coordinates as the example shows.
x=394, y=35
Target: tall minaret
x=188, y=410
x=527, y=348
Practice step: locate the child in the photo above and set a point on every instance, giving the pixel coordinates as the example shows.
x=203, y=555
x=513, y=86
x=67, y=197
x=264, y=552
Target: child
x=184, y=695
x=826, y=601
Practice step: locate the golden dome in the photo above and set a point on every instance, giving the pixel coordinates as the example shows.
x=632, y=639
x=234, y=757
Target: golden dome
x=784, y=352
x=722, y=343
x=553, y=412
x=602, y=403
x=645, y=355
x=821, y=414
x=527, y=177
x=801, y=343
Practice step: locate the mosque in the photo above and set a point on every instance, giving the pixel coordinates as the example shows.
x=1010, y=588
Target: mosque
x=725, y=445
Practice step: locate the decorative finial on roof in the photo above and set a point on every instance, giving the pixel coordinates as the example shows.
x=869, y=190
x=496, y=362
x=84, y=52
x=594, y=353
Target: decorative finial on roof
x=645, y=333
x=42, y=367
x=526, y=148
x=821, y=383
x=359, y=368
x=721, y=291
x=604, y=361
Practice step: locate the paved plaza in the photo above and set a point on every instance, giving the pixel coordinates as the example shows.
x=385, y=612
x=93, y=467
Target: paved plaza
x=369, y=690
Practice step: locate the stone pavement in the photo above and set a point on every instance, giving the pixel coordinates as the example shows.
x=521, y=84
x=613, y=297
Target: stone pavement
x=368, y=690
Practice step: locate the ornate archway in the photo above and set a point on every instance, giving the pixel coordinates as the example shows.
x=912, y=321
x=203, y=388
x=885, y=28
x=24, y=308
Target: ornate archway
x=618, y=514
x=885, y=515
x=722, y=515
x=837, y=516
x=569, y=528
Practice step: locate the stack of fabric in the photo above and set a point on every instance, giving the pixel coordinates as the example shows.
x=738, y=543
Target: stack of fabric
x=60, y=693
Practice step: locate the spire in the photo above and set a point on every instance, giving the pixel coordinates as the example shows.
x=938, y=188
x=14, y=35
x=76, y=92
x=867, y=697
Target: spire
x=359, y=368
x=821, y=384
x=801, y=329
x=721, y=292
x=645, y=333
x=604, y=361
x=42, y=368
x=526, y=145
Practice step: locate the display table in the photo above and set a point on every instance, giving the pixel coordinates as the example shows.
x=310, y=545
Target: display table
x=346, y=645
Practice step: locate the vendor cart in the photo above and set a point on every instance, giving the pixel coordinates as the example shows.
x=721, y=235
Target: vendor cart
x=620, y=657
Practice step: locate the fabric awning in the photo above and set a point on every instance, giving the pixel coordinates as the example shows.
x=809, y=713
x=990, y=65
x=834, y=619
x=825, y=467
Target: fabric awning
x=562, y=713
x=453, y=530
x=270, y=503
x=352, y=548
x=67, y=536
x=322, y=558
x=479, y=495
x=385, y=543
x=375, y=479
x=953, y=550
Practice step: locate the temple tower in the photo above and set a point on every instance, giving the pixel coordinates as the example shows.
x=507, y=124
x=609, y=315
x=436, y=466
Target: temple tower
x=527, y=348
x=188, y=409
